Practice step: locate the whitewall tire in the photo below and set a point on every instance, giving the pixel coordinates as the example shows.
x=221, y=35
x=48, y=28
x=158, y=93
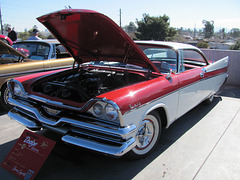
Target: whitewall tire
x=147, y=136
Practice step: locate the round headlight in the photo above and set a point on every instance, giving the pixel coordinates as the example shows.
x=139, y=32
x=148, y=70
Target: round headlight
x=17, y=90
x=111, y=112
x=97, y=109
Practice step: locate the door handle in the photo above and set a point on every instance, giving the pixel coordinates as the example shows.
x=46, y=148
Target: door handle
x=203, y=72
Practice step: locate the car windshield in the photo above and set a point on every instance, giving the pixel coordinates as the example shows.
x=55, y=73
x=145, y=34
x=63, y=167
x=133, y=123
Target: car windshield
x=114, y=64
x=165, y=59
x=34, y=51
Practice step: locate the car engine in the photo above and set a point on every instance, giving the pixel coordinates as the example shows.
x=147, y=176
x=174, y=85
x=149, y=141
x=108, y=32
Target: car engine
x=83, y=85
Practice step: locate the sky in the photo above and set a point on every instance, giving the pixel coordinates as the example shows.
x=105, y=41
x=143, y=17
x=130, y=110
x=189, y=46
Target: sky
x=22, y=14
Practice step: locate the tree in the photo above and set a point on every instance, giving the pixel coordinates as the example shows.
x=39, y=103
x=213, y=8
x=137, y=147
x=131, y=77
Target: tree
x=236, y=46
x=171, y=33
x=130, y=28
x=223, y=32
x=202, y=44
x=50, y=36
x=154, y=28
x=23, y=35
x=209, y=28
x=235, y=32
x=5, y=26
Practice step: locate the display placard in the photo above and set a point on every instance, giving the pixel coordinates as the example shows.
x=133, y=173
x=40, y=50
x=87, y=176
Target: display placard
x=28, y=155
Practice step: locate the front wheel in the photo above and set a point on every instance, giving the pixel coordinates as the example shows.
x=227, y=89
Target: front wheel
x=147, y=136
x=4, y=98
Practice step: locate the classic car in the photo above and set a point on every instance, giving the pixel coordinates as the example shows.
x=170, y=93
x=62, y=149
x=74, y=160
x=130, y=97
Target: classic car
x=27, y=57
x=6, y=39
x=121, y=94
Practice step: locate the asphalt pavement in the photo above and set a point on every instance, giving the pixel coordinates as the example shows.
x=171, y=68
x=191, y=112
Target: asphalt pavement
x=203, y=144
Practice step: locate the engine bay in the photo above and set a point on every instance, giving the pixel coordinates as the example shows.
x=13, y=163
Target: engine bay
x=84, y=84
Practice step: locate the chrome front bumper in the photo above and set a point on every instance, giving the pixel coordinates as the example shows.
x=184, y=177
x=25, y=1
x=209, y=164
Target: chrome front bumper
x=109, y=140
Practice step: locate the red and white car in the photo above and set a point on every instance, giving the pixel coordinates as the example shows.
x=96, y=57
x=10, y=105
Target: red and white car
x=121, y=94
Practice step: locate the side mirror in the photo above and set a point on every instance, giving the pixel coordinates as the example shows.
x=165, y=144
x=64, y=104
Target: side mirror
x=168, y=77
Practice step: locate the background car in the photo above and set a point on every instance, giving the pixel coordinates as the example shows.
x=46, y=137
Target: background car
x=28, y=57
x=6, y=39
x=121, y=94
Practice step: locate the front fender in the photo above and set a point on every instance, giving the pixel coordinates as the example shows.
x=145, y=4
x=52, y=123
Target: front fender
x=156, y=107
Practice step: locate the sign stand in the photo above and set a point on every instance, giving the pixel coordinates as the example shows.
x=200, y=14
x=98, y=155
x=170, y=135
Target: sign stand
x=28, y=155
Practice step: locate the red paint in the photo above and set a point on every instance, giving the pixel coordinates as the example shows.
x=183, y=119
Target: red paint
x=91, y=36
x=33, y=77
x=142, y=93
x=9, y=41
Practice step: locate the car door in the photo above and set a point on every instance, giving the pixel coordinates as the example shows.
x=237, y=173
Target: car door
x=54, y=63
x=165, y=59
x=194, y=87
x=58, y=63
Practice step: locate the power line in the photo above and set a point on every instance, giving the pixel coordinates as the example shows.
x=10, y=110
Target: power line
x=1, y=19
x=120, y=13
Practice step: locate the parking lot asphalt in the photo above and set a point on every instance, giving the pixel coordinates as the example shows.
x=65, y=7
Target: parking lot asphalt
x=203, y=144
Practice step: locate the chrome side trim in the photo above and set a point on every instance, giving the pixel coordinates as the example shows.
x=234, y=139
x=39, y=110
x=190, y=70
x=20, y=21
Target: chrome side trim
x=174, y=91
x=22, y=73
x=34, y=71
x=99, y=147
x=55, y=68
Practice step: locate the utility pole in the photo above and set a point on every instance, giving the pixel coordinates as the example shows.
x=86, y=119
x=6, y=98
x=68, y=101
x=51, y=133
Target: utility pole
x=194, y=31
x=120, y=18
x=1, y=19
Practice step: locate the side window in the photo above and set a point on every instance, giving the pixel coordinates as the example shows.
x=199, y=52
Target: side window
x=53, y=55
x=61, y=52
x=43, y=51
x=191, y=59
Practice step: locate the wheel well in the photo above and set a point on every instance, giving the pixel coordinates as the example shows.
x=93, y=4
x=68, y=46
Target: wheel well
x=162, y=114
x=3, y=85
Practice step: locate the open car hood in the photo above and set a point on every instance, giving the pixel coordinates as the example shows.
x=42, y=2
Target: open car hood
x=91, y=36
x=7, y=49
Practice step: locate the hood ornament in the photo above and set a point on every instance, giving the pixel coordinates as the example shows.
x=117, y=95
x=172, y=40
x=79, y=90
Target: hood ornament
x=51, y=111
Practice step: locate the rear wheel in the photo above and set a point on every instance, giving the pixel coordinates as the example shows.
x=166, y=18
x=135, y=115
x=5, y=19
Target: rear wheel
x=147, y=136
x=209, y=100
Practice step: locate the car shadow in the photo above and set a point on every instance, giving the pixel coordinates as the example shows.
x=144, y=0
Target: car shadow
x=2, y=112
x=70, y=162
x=229, y=91
x=66, y=162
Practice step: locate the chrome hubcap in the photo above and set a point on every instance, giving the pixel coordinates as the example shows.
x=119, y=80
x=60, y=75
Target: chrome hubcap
x=145, y=134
